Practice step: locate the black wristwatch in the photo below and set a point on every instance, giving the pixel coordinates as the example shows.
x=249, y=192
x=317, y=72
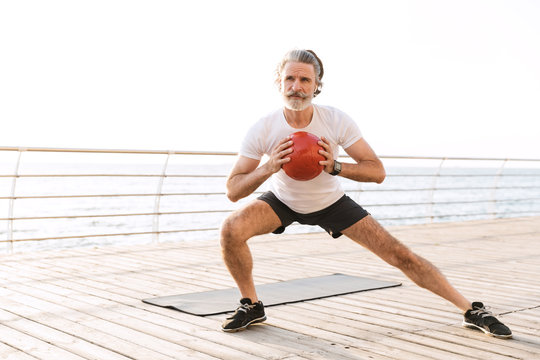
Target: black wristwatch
x=337, y=168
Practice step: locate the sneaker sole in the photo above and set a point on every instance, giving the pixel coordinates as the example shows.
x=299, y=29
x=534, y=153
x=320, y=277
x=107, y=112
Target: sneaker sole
x=254, y=321
x=473, y=326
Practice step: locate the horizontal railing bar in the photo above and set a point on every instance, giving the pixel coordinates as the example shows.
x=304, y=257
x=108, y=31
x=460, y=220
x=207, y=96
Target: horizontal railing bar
x=455, y=215
x=103, y=195
x=224, y=176
x=231, y=210
x=452, y=202
x=116, y=151
x=112, y=195
x=115, y=215
x=114, y=175
x=435, y=216
x=460, y=175
x=510, y=200
x=214, y=229
x=258, y=192
x=225, y=153
x=451, y=188
x=107, y=235
x=451, y=158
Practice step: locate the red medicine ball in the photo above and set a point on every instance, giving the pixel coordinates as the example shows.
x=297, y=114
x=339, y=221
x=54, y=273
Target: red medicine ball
x=305, y=157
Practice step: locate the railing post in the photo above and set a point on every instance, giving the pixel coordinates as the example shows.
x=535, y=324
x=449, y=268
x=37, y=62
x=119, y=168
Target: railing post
x=12, y=200
x=157, y=201
x=433, y=188
x=494, y=191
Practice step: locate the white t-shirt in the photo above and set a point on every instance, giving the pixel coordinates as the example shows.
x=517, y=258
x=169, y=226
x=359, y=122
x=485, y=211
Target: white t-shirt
x=322, y=191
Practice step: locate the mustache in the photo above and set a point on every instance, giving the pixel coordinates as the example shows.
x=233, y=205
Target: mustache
x=297, y=93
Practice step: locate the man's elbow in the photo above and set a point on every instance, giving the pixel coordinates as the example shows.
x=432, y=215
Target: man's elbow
x=380, y=176
x=232, y=196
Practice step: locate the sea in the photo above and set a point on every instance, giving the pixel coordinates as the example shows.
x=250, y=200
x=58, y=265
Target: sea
x=53, y=201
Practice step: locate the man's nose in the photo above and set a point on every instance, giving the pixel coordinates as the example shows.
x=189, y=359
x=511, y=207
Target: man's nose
x=296, y=85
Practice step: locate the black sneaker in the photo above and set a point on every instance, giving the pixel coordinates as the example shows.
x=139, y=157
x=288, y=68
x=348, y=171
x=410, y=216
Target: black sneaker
x=479, y=318
x=245, y=315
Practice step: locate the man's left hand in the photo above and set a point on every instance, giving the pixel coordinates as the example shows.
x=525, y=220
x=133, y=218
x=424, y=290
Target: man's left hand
x=327, y=153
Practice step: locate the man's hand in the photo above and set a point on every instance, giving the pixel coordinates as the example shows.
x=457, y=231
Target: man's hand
x=278, y=155
x=246, y=176
x=328, y=154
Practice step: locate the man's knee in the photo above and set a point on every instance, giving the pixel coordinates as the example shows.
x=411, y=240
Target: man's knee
x=229, y=232
x=237, y=228
x=256, y=218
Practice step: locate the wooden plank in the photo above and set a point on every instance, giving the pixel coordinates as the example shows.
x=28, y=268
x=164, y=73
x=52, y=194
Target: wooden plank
x=10, y=353
x=58, y=338
x=478, y=345
x=158, y=338
x=61, y=319
x=368, y=348
x=32, y=346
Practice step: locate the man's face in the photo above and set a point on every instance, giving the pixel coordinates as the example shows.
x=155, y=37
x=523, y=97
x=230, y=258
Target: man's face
x=298, y=83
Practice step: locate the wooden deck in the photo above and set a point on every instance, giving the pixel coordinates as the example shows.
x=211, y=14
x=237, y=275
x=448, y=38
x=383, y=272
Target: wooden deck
x=86, y=303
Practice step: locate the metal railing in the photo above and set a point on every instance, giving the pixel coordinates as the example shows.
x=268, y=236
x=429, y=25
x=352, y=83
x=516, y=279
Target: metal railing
x=417, y=190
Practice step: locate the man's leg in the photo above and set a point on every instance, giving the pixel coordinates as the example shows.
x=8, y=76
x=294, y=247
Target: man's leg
x=256, y=218
x=370, y=234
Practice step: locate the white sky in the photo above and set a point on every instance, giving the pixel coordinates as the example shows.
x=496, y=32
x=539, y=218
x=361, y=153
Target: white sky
x=433, y=78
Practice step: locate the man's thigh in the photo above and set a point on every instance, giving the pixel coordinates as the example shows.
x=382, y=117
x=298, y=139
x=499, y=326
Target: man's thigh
x=254, y=218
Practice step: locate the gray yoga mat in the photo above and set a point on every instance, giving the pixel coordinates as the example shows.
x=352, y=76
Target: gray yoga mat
x=222, y=301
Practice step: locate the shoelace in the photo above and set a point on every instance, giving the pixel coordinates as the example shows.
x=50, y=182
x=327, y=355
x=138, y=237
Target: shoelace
x=245, y=307
x=482, y=312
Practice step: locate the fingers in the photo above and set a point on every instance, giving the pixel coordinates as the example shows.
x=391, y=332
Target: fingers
x=279, y=154
x=328, y=163
x=324, y=142
x=284, y=148
x=282, y=159
x=285, y=144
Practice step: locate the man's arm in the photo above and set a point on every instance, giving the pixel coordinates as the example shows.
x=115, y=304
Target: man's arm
x=368, y=167
x=246, y=176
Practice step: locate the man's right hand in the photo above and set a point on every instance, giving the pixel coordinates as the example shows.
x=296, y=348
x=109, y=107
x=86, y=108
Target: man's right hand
x=246, y=176
x=278, y=157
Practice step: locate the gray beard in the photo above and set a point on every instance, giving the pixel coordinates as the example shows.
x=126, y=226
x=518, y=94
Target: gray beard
x=297, y=105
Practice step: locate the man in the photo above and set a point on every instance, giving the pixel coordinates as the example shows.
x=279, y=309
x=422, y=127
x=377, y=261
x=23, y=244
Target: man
x=320, y=201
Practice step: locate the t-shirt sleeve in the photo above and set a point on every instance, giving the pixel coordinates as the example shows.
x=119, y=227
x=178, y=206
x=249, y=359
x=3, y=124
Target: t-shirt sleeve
x=252, y=145
x=348, y=131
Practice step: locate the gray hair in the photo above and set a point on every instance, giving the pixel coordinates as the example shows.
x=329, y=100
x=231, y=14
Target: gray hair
x=306, y=57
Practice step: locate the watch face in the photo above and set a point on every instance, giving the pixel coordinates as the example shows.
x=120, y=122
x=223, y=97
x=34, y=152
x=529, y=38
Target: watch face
x=337, y=168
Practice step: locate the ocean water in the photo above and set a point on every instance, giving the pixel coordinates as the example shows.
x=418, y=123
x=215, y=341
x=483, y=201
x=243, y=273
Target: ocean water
x=462, y=192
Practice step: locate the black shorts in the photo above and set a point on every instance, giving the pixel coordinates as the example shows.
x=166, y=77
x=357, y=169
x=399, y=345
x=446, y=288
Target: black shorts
x=333, y=219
